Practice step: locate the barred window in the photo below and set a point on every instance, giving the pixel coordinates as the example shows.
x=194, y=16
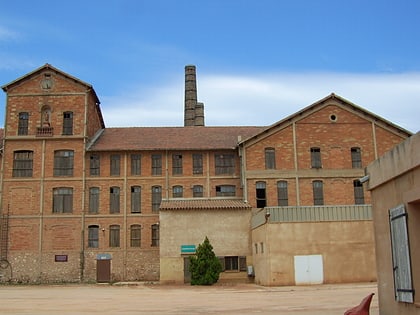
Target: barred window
x=224, y=164
x=135, y=199
x=356, y=158
x=156, y=198
x=282, y=193
x=23, y=124
x=63, y=163
x=22, y=163
x=114, y=236
x=359, y=196
x=135, y=235
x=197, y=164
x=114, y=200
x=156, y=164
x=93, y=236
x=318, y=192
x=115, y=165
x=270, y=159
x=135, y=164
x=176, y=164
x=155, y=235
x=93, y=200
x=63, y=200
x=67, y=123
x=316, y=158
x=177, y=192
x=95, y=165
x=198, y=191
x=225, y=190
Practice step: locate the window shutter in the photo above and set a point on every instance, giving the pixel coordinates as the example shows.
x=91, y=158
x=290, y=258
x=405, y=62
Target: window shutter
x=401, y=255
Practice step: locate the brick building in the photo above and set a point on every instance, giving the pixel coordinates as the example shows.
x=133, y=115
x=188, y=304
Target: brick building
x=82, y=202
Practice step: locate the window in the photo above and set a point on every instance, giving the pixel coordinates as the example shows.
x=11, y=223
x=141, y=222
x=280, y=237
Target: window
x=114, y=200
x=135, y=164
x=135, y=235
x=115, y=165
x=176, y=164
x=359, y=197
x=316, y=158
x=63, y=163
x=23, y=124
x=93, y=200
x=198, y=191
x=22, y=163
x=401, y=261
x=95, y=165
x=67, y=123
x=135, y=199
x=62, y=200
x=93, y=236
x=318, y=192
x=233, y=263
x=356, y=158
x=114, y=236
x=224, y=164
x=270, y=159
x=156, y=198
x=156, y=164
x=282, y=194
x=225, y=191
x=261, y=195
x=197, y=164
x=155, y=235
x=177, y=192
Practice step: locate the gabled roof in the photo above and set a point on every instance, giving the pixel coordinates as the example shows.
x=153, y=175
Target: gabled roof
x=203, y=204
x=172, y=138
x=323, y=102
x=47, y=66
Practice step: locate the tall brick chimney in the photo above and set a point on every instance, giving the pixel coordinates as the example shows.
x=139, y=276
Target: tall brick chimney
x=193, y=111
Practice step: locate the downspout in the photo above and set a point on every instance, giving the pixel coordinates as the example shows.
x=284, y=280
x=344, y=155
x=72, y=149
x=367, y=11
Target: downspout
x=296, y=164
x=82, y=232
x=242, y=161
x=125, y=228
x=375, y=146
x=41, y=209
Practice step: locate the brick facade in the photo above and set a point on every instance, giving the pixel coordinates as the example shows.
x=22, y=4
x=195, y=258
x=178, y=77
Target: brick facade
x=44, y=246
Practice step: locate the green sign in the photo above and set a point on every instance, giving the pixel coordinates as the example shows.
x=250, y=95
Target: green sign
x=187, y=249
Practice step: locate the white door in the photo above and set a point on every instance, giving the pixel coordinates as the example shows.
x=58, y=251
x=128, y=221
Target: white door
x=309, y=269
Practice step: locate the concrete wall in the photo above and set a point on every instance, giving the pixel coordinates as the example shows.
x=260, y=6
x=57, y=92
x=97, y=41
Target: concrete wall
x=395, y=180
x=227, y=231
x=347, y=250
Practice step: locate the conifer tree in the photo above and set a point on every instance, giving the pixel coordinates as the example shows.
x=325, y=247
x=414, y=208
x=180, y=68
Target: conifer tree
x=205, y=267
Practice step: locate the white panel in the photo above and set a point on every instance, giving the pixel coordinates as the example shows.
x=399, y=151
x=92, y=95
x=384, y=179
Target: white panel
x=309, y=269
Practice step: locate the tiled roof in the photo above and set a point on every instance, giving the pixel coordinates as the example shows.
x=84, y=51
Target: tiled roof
x=203, y=204
x=172, y=138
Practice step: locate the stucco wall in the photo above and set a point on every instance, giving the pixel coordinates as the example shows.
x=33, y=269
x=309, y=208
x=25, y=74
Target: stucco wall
x=227, y=231
x=395, y=180
x=347, y=250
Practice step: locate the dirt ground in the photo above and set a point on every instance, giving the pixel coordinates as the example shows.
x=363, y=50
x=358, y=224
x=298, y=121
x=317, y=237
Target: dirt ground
x=140, y=298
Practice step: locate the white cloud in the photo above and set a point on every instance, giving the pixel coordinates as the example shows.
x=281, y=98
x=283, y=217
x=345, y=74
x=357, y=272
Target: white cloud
x=261, y=100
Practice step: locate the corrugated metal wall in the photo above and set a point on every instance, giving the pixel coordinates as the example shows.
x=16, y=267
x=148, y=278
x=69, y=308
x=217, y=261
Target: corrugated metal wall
x=312, y=214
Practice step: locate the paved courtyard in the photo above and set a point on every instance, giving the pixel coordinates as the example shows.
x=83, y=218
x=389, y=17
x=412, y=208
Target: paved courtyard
x=139, y=298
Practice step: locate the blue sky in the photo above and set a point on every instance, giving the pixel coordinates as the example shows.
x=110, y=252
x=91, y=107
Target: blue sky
x=257, y=61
